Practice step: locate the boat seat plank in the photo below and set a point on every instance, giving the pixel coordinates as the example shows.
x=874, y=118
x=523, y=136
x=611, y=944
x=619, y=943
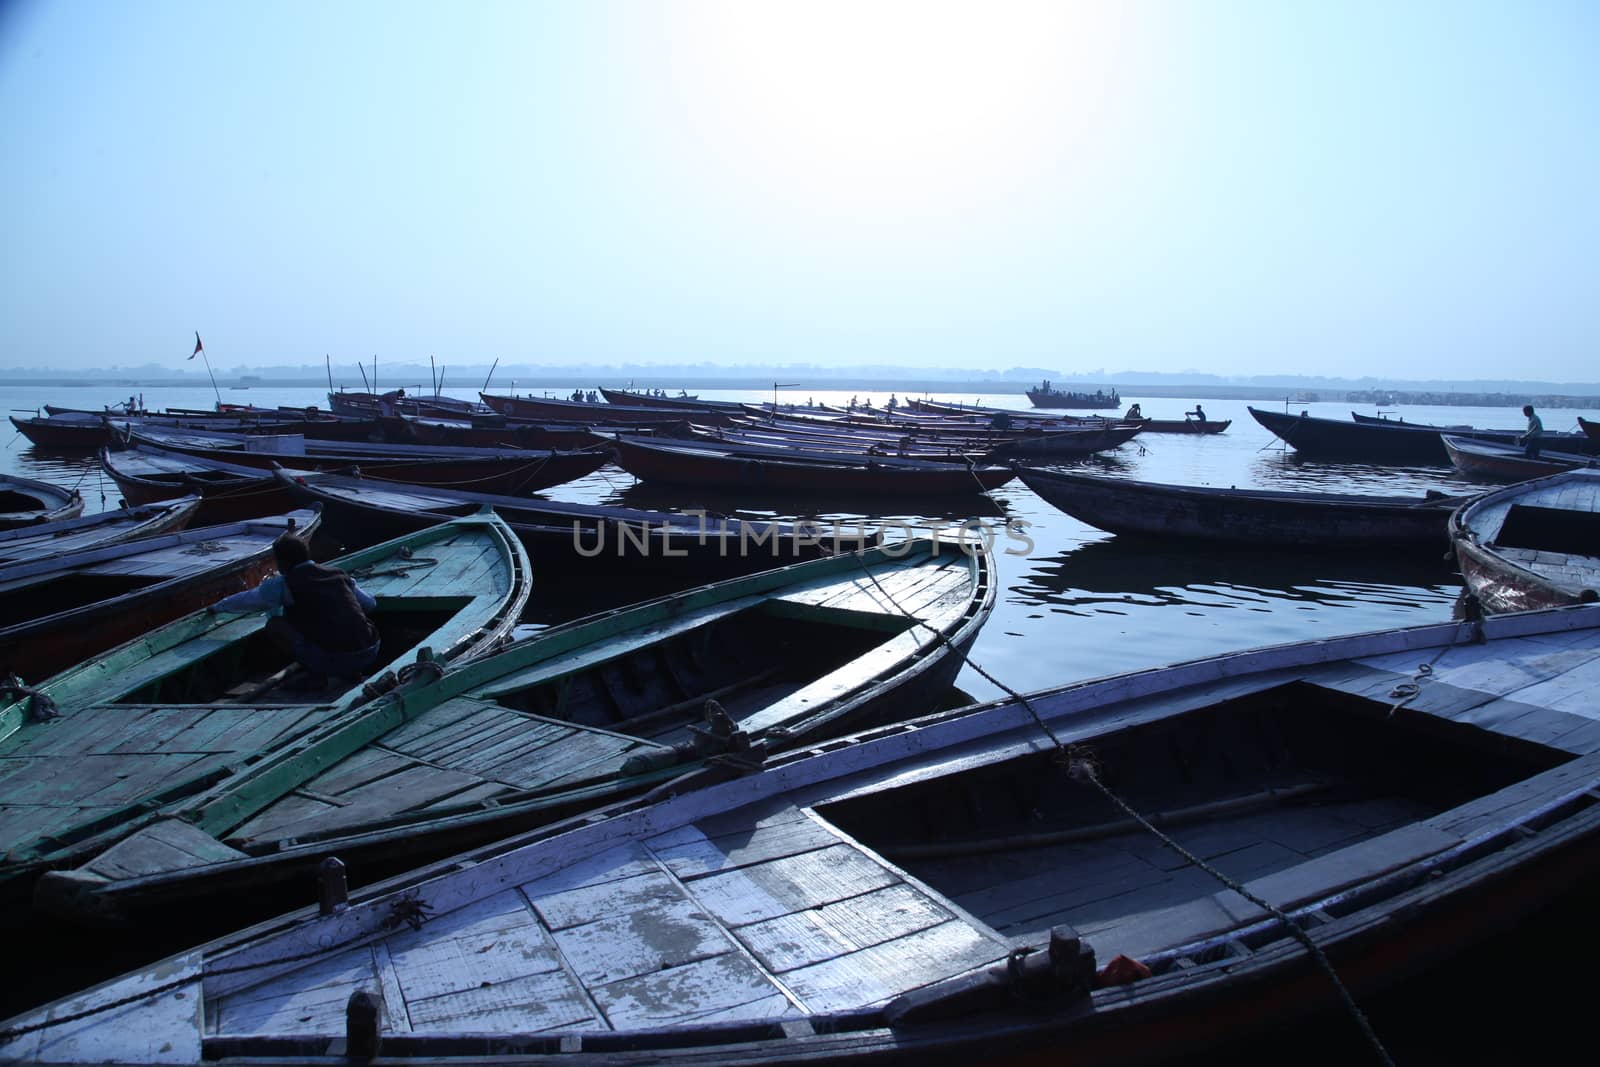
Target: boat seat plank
x=691, y=857
x=309, y=999
x=97, y=779
x=789, y=884
x=507, y=741
x=185, y=728
x=612, y=865
x=356, y=770
x=476, y=795
x=626, y=945
x=1581, y=740
x=574, y=907
x=28, y=822
x=293, y=809
x=812, y=936
x=604, y=760
x=740, y=823
x=90, y=730
x=873, y=975
x=404, y=791
x=1492, y=669
x=255, y=728
x=167, y=845
x=445, y=724
x=530, y=1004
x=573, y=759
x=490, y=942
x=518, y=738
x=700, y=991
x=142, y=1029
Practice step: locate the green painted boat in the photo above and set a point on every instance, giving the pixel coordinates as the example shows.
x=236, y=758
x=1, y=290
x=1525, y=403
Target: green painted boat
x=94, y=753
x=674, y=693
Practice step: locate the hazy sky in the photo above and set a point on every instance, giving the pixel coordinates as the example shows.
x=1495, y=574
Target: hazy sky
x=1345, y=188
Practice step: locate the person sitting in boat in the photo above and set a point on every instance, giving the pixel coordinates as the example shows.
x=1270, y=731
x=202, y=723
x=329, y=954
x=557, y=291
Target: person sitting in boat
x=894, y=402
x=1530, y=440
x=1198, y=413
x=320, y=617
x=1134, y=412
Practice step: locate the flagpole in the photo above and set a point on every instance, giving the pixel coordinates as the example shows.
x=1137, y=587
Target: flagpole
x=200, y=349
x=213, y=378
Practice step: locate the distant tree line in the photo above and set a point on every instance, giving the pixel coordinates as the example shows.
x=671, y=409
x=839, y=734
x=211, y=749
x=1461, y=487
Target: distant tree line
x=1384, y=397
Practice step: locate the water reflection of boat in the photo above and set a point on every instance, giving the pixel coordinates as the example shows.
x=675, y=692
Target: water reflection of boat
x=1123, y=569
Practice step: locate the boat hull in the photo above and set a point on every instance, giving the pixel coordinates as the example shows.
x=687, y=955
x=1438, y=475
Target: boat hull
x=1531, y=545
x=49, y=642
x=825, y=944
x=375, y=831
x=1503, y=463
x=1245, y=517
x=775, y=473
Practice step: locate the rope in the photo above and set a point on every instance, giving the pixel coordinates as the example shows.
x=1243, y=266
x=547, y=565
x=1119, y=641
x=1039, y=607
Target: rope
x=1404, y=692
x=1079, y=766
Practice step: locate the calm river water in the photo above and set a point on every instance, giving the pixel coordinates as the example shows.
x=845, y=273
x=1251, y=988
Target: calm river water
x=1079, y=603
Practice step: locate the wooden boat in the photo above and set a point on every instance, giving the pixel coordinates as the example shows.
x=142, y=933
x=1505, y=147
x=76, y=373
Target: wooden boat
x=1532, y=545
x=687, y=404
x=85, y=431
x=496, y=431
x=1183, y=425
x=1491, y=459
x=485, y=470
x=192, y=703
x=27, y=501
x=781, y=471
x=67, y=432
x=957, y=884
x=687, y=689
x=1044, y=396
x=1589, y=427
x=574, y=541
x=58, y=611
x=1375, y=442
x=935, y=439
x=228, y=492
x=367, y=405
x=1246, y=516
x=46, y=539
x=549, y=409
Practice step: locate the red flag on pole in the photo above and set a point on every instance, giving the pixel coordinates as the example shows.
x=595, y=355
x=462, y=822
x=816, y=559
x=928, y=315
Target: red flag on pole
x=197, y=345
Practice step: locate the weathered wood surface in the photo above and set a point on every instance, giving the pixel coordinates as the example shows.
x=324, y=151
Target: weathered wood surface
x=62, y=536
x=1504, y=570
x=741, y=902
x=691, y=927
x=103, y=756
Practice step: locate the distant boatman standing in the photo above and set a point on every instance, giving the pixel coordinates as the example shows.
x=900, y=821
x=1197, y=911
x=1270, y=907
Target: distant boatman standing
x=1530, y=440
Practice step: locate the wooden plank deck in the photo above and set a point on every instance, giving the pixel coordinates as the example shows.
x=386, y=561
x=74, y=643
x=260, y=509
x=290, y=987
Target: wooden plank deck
x=461, y=750
x=59, y=773
x=701, y=924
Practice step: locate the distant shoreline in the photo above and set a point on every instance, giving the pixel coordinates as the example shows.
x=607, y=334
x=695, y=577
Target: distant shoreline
x=904, y=386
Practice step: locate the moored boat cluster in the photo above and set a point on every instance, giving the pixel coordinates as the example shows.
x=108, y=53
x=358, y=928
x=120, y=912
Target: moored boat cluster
x=735, y=817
